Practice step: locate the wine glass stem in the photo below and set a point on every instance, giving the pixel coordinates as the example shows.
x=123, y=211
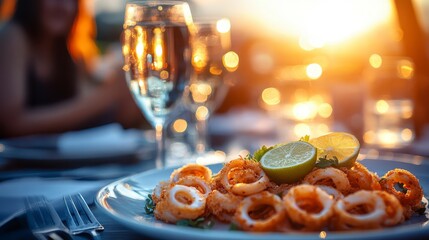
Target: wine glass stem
x=202, y=130
x=160, y=155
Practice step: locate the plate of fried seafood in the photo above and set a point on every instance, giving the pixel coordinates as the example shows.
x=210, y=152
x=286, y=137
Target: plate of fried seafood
x=366, y=199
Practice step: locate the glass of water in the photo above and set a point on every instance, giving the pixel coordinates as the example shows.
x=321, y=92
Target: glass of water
x=388, y=104
x=212, y=62
x=156, y=49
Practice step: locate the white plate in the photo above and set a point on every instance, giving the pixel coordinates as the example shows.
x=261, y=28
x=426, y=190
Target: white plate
x=124, y=201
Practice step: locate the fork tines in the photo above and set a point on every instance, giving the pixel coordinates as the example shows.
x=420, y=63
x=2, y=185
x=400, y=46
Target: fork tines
x=42, y=218
x=80, y=218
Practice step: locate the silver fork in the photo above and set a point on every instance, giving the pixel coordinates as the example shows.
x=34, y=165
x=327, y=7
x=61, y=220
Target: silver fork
x=43, y=220
x=80, y=219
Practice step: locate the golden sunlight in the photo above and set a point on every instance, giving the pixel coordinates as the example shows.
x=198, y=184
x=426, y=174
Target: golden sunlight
x=319, y=23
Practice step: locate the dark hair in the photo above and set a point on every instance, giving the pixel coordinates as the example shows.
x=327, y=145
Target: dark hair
x=28, y=14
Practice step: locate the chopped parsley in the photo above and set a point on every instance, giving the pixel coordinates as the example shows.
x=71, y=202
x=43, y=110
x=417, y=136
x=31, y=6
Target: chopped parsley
x=324, y=162
x=197, y=223
x=150, y=205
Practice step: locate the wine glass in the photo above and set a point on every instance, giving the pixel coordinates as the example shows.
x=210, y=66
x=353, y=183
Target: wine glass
x=212, y=60
x=156, y=49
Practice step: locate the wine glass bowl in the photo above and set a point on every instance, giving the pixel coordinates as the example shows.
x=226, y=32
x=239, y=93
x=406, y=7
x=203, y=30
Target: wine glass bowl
x=210, y=60
x=156, y=49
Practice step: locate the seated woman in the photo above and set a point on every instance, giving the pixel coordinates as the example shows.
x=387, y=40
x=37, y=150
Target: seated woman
x=45, y=65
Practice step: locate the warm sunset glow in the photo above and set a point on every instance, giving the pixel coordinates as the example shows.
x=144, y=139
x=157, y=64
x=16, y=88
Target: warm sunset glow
x=301, y=129
x=230, y=61
x=271, y=96
x=305, y=110
x=318, y=23
x=325, y=110
x=180, y=125
x=314, y=71
x=223, y=25
x=375, y=60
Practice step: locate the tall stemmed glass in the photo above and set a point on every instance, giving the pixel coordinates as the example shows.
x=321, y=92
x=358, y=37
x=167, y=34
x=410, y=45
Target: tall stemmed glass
x=156, y=49
x=212, y=60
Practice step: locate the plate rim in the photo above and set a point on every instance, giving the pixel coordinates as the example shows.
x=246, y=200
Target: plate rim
x=151, y=229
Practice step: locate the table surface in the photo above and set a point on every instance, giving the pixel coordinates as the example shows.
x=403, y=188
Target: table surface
x=113, y=230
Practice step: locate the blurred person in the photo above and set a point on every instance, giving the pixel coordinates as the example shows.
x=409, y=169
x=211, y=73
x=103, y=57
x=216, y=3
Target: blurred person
x=46, y=61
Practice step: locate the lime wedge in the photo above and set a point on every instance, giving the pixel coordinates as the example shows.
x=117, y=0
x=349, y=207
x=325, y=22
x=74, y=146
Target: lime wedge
x=290, y=162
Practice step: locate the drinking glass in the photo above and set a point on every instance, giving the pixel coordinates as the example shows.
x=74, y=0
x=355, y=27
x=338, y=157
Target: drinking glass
x=156, y=49
x=212, y=60
x=388, y=106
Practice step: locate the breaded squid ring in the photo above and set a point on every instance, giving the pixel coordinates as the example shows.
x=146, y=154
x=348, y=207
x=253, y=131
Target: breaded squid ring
x=414, y=191
x=394, y=210
x=192, y=169
x=250, y=180
x=329, y=176
x=223, y=205
x=360, y=210
x=158, y=191
x=360, y=178
x=334, y=193
x=196, y=182
x=180, y=202
x=260, y=212
x=309, y=206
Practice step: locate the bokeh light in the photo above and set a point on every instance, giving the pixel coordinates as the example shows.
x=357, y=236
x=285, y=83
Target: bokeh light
x=180, y=125
x=202, y=113
x=375, y=60
x=223, y=25
x=230, y=60
x=382, y=106
x=271, y=96
x=314, y=71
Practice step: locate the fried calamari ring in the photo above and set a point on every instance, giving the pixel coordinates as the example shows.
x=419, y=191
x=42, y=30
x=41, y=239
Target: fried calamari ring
x=281, y=189
x=411, y=192
x=192, y=169
x=360, y=178
x=180, y=202
x=260, y=212
x=360, y=210
x=329, y=176
x=308, y=206
x=223, y=205
x=334, y=193
x=394, y=210
x=196, y=182
x=243, y=177
x=158, y=191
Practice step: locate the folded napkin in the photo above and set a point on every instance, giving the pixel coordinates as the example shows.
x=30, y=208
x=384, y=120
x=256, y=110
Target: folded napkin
x=107, y=140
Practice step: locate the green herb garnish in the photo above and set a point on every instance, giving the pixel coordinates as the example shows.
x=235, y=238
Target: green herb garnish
x=324, y=162
x=149, y=207
x=197, y=223
x=257, y=155
x=306, y=138
x=234, y=227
